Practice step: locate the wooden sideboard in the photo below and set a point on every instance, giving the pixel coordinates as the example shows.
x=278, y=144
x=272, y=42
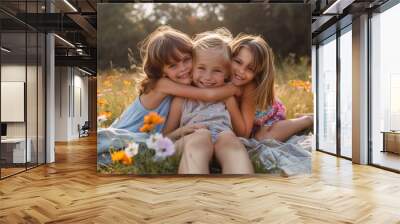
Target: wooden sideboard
x=391, y=141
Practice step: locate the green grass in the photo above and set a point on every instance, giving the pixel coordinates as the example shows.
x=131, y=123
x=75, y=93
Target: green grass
x=295, y=98
x=117, y=90
x=143, y=163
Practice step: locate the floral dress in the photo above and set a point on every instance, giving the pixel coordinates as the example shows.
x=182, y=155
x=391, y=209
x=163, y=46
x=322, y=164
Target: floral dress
x=214, y=115
x=274, y=113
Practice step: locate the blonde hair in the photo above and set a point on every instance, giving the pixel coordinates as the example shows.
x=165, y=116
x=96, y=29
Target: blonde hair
x=161, y=47
x=263, y=63
x=217, y=39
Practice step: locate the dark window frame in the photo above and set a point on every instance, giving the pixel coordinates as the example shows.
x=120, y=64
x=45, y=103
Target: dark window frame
x=344, y=27
x=30, y=30
x=381, y=9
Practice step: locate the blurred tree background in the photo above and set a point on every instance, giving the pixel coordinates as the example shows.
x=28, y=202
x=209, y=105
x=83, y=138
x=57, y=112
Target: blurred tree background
x=286, y=27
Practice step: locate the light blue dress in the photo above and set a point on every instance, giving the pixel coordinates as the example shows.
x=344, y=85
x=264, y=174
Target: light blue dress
x=132, y=118
x=126, y=128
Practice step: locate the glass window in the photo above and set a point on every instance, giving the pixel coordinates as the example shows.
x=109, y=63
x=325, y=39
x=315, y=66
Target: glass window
x=346, y=93
x=327, y=96
x=14, y=153
x=385, y=88
x=23, y=83
x=31, y=97
x=41, y=98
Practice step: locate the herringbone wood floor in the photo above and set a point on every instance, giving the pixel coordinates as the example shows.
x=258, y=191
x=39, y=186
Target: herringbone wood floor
x=70, y=191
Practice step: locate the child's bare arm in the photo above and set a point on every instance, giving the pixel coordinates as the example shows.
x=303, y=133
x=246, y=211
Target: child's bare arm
x=242, y=116
x=171, y=129
x=185, y=130
x=174, y=116
x=169, y=87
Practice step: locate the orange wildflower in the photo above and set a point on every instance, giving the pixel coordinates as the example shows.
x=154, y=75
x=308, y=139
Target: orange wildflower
x=107, y=114
x=107, y=83
x=146, y=119
x=117, y=156
x=150, y=121
x=154, y=118
x=144, y=128
x=147, y=127
x=121, y=156
x=300, y=84
x=127, y=83
x=126, y=160
x=101, y=101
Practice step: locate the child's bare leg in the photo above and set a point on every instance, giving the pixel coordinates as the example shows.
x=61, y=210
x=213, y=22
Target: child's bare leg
x=284, y=129
x=179, y=145
x=197, y=153
x=232, y=155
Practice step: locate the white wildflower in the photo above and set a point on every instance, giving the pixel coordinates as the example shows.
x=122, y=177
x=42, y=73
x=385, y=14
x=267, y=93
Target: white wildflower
x=132, y=149
x=151, y=142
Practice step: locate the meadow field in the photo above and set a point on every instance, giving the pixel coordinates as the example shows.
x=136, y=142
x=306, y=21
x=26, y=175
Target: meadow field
x=117, y=89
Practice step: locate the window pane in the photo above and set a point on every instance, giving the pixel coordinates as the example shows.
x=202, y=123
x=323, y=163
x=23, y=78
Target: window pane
x=385, y=83
x=327, y=96
x=345, y=94
x=14, y=152
x=41, y=99
x=31, y=97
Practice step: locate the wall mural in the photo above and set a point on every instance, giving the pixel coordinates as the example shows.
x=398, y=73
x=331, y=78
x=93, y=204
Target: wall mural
x=204, y=88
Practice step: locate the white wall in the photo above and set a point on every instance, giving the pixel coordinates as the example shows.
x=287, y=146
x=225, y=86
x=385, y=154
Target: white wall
x=16, y=73
x=33, y=126
x=80, y=110
x=71, y=93
x=61, y=103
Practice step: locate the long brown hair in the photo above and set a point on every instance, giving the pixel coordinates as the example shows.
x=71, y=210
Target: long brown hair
x=161, y=47
x=263, y=62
